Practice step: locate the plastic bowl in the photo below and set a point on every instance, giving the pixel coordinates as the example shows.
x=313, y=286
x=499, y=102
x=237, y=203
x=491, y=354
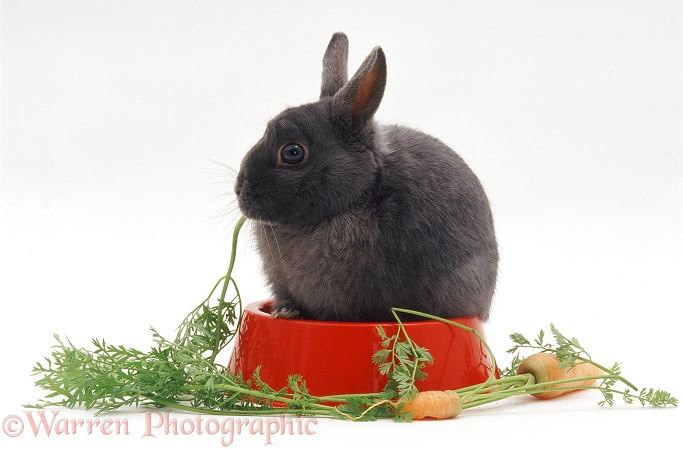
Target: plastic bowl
x=336, y=357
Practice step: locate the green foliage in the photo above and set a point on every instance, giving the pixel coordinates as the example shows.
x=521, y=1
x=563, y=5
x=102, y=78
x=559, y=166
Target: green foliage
x=570, y=352
x=656, y=398
x=109, y=377
x=402, y=361
x=180, y=373
x=211, y=326
x=365, y=408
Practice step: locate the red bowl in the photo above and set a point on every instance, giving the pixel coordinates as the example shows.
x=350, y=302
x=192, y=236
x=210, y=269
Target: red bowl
x=336, y=357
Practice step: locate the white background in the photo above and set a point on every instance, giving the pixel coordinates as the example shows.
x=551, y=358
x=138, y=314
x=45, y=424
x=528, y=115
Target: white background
x=116, y=211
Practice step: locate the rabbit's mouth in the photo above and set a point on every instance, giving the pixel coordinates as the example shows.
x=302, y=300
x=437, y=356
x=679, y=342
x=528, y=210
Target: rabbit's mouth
x=250, y=208
x=257, y=206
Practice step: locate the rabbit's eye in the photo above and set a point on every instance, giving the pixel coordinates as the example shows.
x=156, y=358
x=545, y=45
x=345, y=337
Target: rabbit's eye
x=293, y=153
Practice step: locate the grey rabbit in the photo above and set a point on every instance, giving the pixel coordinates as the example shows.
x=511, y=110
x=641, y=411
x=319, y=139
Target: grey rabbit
x=354, y=217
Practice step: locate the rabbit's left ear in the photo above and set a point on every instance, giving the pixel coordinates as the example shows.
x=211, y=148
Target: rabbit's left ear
x=334, y=65
x=356, y=102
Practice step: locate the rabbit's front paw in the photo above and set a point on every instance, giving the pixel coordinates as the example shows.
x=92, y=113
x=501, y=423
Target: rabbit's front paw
x=286, y=313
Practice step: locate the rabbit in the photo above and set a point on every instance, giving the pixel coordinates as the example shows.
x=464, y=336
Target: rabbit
x=353, y=217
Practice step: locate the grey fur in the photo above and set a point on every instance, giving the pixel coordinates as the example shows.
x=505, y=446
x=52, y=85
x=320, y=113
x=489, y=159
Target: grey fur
x=375, y=217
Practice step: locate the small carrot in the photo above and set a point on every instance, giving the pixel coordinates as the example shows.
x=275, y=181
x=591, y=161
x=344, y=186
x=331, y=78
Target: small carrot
x=434, y=404
x=545, y=368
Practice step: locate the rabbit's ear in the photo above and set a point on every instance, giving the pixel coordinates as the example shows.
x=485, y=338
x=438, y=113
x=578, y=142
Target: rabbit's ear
x=356, y=102
x=334, y=65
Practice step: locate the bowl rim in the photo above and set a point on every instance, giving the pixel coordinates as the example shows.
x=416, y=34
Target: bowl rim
x=261, y=309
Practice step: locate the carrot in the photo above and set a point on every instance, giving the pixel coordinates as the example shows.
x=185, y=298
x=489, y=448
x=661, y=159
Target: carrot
x=434, y=404
x=545, y=368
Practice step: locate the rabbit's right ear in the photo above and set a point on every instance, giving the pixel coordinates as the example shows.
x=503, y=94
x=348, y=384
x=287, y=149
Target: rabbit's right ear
x=356, y=103
x=334, y=65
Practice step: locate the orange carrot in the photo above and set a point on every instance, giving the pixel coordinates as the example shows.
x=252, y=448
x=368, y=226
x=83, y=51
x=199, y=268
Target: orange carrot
x=545, y=368
x=434, y=404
